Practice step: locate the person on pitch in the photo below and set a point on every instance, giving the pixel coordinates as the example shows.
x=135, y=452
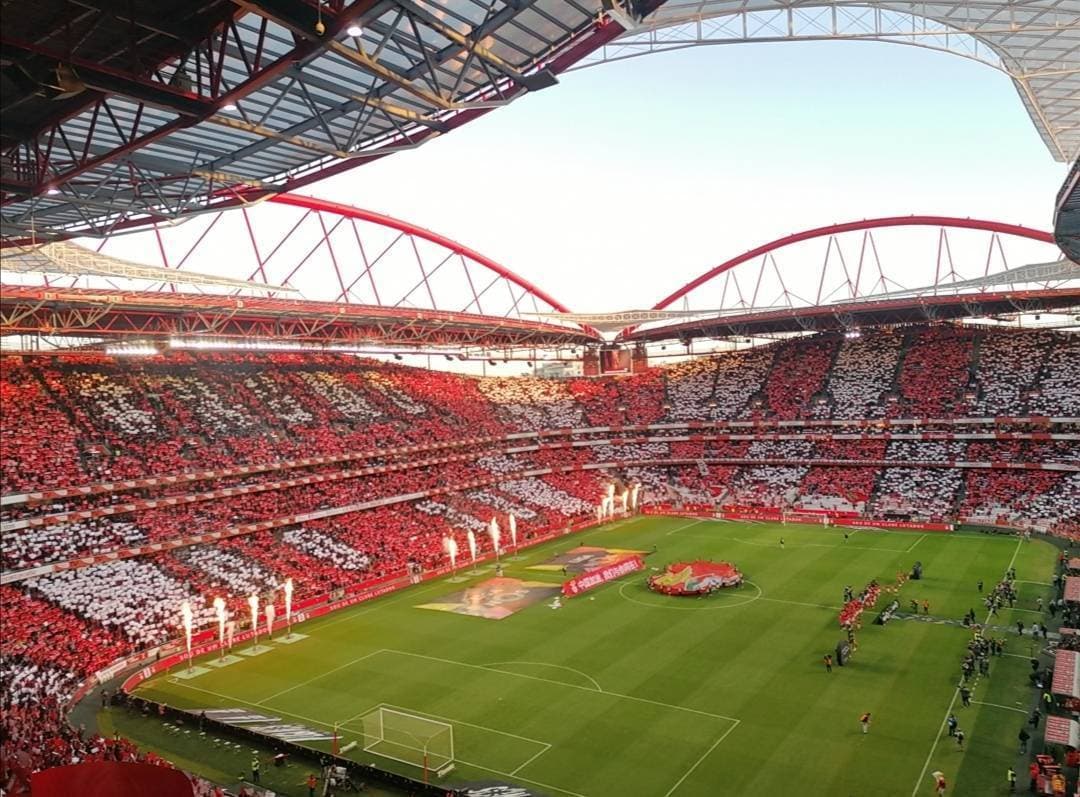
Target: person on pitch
x=864, y=720
x=828, y=662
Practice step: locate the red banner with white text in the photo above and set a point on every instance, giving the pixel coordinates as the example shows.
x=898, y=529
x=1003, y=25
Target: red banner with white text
x=602, y=575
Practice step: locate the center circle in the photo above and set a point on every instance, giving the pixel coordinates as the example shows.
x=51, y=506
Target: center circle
x=668, y=601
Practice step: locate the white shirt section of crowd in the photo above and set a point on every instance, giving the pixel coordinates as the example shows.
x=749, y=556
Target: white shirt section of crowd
x=534, y=404
x=57, y=543
x=132, y=595
x=323, y=546
x=863, y=372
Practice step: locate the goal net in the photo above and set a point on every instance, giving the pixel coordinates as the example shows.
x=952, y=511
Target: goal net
x=409, y=738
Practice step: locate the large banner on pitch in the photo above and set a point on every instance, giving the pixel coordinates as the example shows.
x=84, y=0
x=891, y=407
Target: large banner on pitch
x=602, y=575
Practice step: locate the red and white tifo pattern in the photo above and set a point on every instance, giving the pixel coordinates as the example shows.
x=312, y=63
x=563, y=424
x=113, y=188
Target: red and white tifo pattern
x=1072, y=589
x=1062, y=730
x=1066, y=673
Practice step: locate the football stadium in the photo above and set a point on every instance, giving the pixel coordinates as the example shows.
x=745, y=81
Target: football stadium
x=312, y=486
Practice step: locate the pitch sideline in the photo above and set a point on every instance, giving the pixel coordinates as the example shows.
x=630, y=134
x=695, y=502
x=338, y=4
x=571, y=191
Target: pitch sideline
x=956, y=694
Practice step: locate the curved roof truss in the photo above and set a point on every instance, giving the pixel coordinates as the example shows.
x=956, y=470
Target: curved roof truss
x=1035, y=42
x=913, y=266
x=362, y=276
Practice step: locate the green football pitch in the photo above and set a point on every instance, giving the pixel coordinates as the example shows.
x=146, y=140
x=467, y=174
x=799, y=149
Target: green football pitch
x=626, y=692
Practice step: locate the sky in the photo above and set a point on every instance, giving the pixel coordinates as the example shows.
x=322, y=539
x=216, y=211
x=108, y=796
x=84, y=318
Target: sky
x=628, y=179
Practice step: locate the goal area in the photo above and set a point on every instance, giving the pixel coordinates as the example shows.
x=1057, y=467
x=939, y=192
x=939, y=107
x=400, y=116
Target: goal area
x=409, y=739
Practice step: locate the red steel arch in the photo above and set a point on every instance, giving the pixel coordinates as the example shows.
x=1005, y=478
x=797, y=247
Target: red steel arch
x=348, y=211
x=855, y=226
x=360, y=277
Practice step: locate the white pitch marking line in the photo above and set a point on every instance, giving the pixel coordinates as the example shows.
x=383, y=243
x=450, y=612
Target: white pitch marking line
x=429, y=715
x=563, y=683
x=799, y=603
x=822, y=545
x=355, y=730
x=684, y=526
x=956, y=694
x=256, y=705
x=497, y=664
x=321, y=675
x=545, y=746
x=697, y=763
x=526, y=780
x=912, y=548
x=998, y=705
x=368, y=710
x=518, y=769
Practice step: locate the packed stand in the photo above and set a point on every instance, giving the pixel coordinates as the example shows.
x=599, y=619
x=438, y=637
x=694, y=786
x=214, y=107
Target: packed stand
x=935, y=374
x=797, y=376
x=864, y=372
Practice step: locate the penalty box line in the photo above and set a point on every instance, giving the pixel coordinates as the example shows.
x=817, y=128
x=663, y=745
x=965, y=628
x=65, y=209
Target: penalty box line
x=733, y=720
x=544, y=746
x=429, y=715
x=323, y=724
x=567, y=685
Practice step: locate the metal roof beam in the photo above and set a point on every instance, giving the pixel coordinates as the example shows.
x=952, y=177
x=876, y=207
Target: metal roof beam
x=302, y=19
x=472, y=45
x=386, y=107
x=255, y=81
x=500, y=18
x=109, y=81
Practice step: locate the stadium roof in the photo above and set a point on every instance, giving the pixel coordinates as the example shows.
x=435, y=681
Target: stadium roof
x=116, y=114
x=853, y=316
x=161, y=316
x=119, y=112
x=1067, y=215
x=1035, y=42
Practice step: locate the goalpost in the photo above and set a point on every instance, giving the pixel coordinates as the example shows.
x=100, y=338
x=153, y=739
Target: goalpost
x=410, y=738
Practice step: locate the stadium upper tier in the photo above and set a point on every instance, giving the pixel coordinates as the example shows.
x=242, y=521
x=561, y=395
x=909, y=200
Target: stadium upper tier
x=90, y=417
